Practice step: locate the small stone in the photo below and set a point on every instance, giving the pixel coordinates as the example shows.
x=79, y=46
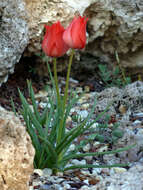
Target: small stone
x=31, y=188
x=79, y=90
x=47, y=172
x=85, y=172
x=122, y=109
x=119, y=170
x=43, y=104
x=96, y=144
x=86, y=148
x=87, y=96
x=45, y=187
x=75, y=162
x=60, y=174
x=38, y=171
x=96, y=171
x=83, y=162
x=72, y=147
x=89, y=158
x=85, y=106
x=56, y=187
x=103, y=149
x=86, y=88
x=137, y=122
x=83, y=113
x=81, y=100
x=95, y=125
x=69, y=119
x=73, y=81
x=41, y=94
x=85, y=187
x=86, y=181
x=66, y=186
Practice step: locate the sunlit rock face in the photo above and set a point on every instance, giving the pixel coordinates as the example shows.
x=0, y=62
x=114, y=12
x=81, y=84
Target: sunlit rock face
x=16, y=153
x=117, y=26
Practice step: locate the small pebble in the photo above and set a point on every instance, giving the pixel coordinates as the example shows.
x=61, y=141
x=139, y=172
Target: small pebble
x=96, y=144
x=38, y=171
x=137, y=122
x=86, y=148
x=72, y=147
x=84, y=188
x=103, y=149
x=79, y=90
x=41, y=94
x=69, y=119
x=86, y=181
x=47, y=172
x=66, y=186
x=95, y=125
x=45, y=187
x=86, y=88
x=119, y=170
x=85, y=106
x=83, y=113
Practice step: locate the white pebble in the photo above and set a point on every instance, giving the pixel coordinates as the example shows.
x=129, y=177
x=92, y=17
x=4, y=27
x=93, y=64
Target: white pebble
x=72, y=147
x=84, y=188
x=69, y=119
x=119, y=170
x=66, y=186
x=86, y=181
x=38, y=171
x=96, y=144
x=86, y=148
x=83, y=113
x=85, y=106
x=47, y=172
x=95, y=125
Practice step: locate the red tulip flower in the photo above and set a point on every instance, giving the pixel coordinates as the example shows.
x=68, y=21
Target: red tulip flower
x=53, y=44
x=75, y=35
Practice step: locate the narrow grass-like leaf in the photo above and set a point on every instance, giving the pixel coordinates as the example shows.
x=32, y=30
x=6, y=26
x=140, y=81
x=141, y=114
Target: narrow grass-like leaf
x=51, y=148
x=97, y=153
x=31, y=92
x=95, y=166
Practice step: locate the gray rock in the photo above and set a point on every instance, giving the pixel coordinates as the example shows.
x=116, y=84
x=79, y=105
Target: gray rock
x=13, y=35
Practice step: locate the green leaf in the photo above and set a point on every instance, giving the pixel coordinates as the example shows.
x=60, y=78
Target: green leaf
x=95, y=166
x=82, y=155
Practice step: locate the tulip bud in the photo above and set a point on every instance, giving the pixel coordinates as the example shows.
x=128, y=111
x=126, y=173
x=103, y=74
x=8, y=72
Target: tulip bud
x=53, y=44
x=75, y=34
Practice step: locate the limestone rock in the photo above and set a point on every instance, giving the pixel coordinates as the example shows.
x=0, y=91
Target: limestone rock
x=113, y=26
x=16, y=153
x=13, y=35
x=116, y=25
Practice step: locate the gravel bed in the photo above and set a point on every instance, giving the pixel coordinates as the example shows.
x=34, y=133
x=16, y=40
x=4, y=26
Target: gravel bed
x=126, y=110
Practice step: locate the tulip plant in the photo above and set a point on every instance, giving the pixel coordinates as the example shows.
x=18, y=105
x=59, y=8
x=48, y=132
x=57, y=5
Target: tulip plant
x=48, y=129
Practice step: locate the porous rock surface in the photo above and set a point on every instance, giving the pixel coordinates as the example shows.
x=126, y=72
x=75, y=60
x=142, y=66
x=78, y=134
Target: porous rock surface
x=117, y=25
x=16, y=153
x=13, y=35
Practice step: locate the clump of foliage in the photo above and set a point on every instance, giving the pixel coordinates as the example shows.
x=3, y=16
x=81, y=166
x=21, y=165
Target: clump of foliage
x=48, y=129
x=116, y=77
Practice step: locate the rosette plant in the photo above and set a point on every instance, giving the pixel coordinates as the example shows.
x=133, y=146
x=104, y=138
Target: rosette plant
x=48, y=129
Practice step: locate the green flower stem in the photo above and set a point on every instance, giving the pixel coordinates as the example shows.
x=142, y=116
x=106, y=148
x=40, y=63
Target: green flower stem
x=61, y=127
x=56, y=81
x=67, y=80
